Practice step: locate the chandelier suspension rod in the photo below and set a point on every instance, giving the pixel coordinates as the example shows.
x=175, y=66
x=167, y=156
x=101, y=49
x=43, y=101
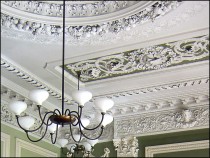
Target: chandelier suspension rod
x=63, y=57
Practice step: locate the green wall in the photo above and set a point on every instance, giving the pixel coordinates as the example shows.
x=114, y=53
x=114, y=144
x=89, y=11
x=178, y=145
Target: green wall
x=170, y=138
x=161, y=139
x=21, y=135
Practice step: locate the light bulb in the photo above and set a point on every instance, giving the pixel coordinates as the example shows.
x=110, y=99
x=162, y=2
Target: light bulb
x=104, y=104
x=52, y=127
x=107, y=119
x=26, y=122
x=38, y=96
x=62, y=142
x=81, y=96
x=92, y=142
x=17, y=107
x=87, y=146
x=77, y=137
x=85, y=122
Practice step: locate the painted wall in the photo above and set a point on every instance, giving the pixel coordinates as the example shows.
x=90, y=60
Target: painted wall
x=161, y=139
x=171, y=138
x=27, y=152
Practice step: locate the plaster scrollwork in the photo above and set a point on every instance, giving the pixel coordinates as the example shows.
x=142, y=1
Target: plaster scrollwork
x=85, y=32
x=143, y=59
x=126, y=147
x=160, y=122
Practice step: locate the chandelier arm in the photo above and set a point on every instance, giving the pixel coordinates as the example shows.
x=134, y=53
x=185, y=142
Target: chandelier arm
x=41, y=115
x=73, y=136
x=94, y=127
x=39, y=138
x=51, y=135
x=70, y=112
x=34, y=129
x=59, y=113
x=102, y=129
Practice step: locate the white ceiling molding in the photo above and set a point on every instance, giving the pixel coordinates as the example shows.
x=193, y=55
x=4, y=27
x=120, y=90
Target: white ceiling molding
x=86, y=34
x=163, y=122
x=20, y=72
x=142, y=59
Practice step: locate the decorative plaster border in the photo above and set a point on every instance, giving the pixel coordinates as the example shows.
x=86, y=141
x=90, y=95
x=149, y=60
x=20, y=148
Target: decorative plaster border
x=6, y=147
x=163, y=122
x=34, y=148
x=150, y=151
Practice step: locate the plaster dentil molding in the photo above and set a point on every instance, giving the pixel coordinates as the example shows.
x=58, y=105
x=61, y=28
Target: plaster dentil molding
x=31, y=80
x=84, y=34
x=72, y=10
x=162, y=122
x=126, y=147
x=158, y=88
x=142, y=59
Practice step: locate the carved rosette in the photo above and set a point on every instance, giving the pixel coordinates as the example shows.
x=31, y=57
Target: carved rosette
x=80, y=32
x=126, y=147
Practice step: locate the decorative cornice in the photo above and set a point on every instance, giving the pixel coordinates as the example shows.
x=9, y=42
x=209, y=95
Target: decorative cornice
x=73, y=9
x=142, y=59
x=163, y=87
x=128, y=109
x=39, y=32
x=31, y=80
x=154, y=123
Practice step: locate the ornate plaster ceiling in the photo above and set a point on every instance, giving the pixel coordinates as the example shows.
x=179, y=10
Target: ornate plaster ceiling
x=170, y=37
x=143, y=59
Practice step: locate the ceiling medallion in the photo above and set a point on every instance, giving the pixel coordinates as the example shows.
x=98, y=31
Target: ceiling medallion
x=81, y=32
x=143, y=59
x=73, y=8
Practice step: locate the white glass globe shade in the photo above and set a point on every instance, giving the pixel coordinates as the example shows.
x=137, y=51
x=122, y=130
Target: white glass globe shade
x=26, y=122
x=104, y=104
x=92, y=142
x=52, y=127
x=17, y=107
x=62, y=142
x=81, y=96
x=107, y=119
x=87, y=146
x=77, y=137
x=38, y=96
x=71, y=147
x=85, y=123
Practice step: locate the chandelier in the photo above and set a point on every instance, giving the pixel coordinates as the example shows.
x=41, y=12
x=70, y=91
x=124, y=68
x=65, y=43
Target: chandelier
x=51, y=121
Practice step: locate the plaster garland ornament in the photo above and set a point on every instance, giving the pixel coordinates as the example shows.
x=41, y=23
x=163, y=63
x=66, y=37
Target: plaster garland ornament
x=126, y=147
x=143, y=59
x=100, y=39
x=78, y=33
x=138, y=107
x=73, y=10
x=154, y=123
